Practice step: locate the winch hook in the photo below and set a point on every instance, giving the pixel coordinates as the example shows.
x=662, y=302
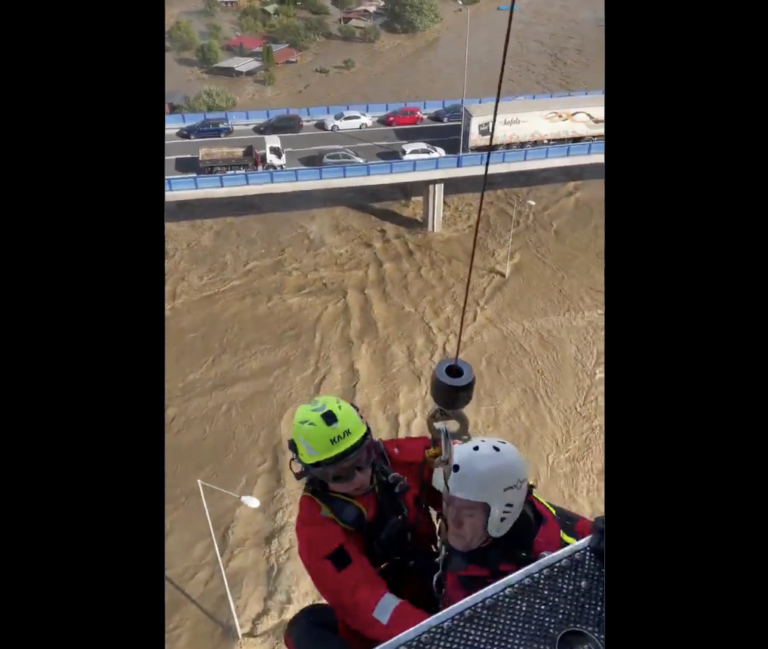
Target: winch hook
x=452, y=387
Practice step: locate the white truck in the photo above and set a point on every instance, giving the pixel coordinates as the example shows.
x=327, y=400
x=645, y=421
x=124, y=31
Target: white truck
x=527, y=123
x=229, y=160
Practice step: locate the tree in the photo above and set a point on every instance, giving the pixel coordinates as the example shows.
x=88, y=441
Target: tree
x=341, y=5
x=286, y=11
x=370, y=34
x=288, y=30
x=211, y=98
x=268, y=57
x=250, y=25
x=250, y=20
x=349, y=64
x=347, y=32
x=182, y=36
x=214, y=31
x=316, y=7
x=317, y=28
x=409, y=16
x=211, y=7
x=208, y=54
x=269, y=78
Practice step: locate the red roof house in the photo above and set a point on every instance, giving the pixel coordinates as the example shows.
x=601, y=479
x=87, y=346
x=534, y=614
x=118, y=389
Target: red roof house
x=285, y=55
x=249, y=43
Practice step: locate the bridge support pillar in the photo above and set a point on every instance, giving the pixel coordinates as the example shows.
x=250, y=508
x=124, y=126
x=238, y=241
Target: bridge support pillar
x=433, y=206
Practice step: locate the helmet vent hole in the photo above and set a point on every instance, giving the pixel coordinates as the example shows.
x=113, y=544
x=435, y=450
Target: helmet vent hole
x=455, y=468
x=502, y=519
x=497, y=449
x=330, y=418
x=475, y=448
x=501, y=441
x=482, y=441
x=510, y=505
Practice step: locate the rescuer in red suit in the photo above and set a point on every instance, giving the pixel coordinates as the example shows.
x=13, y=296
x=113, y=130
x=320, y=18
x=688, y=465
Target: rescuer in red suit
x=364, y=530
x=495, y=523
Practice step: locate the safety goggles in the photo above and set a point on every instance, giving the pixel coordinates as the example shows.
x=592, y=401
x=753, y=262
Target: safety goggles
x=346, y=470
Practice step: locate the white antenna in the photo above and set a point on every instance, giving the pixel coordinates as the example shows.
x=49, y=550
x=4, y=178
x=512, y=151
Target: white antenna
x=530, y=204
x=251, y=502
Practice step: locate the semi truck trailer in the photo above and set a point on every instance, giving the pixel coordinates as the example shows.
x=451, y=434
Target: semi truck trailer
x=527, y=123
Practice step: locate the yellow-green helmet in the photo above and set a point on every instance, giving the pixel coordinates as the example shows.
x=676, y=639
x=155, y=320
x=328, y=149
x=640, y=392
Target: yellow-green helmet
x=326, y=429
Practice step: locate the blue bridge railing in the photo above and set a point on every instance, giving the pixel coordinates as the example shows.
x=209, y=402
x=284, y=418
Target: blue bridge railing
x=318, y=112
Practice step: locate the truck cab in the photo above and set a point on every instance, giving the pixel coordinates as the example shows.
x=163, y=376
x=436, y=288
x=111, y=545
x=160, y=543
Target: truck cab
x=274, y=154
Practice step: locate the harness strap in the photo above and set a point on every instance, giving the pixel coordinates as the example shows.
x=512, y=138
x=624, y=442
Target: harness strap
x=566, y=519
x=381, y=534
x=348, y=513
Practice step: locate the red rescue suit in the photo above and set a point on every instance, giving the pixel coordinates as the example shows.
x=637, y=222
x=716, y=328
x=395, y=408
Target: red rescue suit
x=372, y=603
x=541, y=528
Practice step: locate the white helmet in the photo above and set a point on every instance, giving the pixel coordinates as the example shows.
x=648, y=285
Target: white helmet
x=489, y=471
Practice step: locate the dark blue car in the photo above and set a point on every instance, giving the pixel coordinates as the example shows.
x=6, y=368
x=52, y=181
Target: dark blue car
x=207, y=128
x=450, y=113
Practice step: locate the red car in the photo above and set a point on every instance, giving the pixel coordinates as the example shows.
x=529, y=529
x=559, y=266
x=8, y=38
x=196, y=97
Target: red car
x=404, y=117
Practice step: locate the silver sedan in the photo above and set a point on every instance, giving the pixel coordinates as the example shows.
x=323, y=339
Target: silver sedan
x=331, y=157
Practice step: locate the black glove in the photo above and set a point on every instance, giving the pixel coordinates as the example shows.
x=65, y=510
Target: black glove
x=399, y=482
x=597, y=542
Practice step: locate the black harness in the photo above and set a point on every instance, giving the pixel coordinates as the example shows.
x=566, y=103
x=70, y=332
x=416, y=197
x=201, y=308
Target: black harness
x=515, y=547
x=387, y=537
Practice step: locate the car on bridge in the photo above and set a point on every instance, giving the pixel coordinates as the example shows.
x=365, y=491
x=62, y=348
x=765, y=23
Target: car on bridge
x=406, y=116
x=207, y=128
x=346, y=120
x=280, y=124
x=450, y=113
x=339, y=156
x=420, y=151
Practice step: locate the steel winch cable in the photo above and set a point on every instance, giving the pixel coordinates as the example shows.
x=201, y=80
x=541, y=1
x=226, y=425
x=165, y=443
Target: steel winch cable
x=485, y=179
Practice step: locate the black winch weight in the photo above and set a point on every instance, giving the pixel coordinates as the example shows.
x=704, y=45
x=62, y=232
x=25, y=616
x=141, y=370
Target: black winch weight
x=453, y=384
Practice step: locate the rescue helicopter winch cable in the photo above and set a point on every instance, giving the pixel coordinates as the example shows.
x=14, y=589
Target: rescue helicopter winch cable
x=485, y=184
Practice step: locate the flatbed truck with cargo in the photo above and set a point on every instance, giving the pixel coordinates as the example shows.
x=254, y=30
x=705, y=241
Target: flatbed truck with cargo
x=224, y=160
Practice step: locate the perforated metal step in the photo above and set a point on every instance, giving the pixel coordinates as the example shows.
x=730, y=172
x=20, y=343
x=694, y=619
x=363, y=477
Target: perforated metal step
x=528, y=610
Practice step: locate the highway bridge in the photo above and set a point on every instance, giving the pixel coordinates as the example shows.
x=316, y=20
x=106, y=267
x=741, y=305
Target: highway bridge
x=378, y=145
x=375, y=144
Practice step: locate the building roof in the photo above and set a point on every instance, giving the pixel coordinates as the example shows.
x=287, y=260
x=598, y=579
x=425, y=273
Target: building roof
x=275, y=48
x=234, y=62
x=239, y=64
x=285, y=54
x=248, y=42
x=253, y=64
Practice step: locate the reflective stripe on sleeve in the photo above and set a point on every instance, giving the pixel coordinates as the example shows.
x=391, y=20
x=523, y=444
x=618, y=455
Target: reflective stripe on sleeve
x=385, y=607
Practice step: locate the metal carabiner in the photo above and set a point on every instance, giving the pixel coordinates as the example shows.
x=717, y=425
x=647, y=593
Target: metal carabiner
x=440, y=416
